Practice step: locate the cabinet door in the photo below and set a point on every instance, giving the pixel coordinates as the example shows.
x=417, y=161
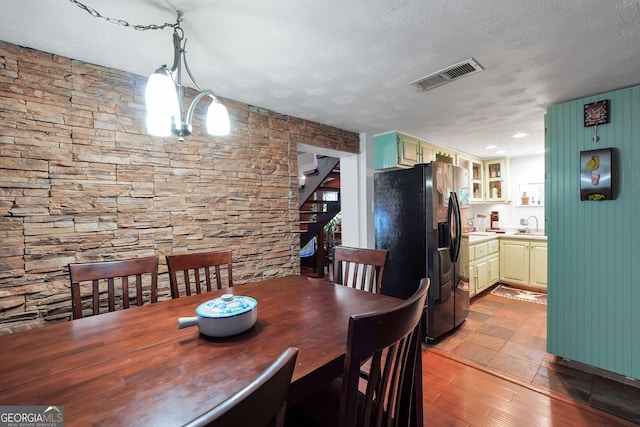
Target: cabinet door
x=493, y=262
x=427, y=154
x=514, y=261
x=408, y=150
x=477, y=182
x=482, y=275
x=538, y=264
x=394, y=150
x=385, y=151
x=495, y=172
x=474, y=278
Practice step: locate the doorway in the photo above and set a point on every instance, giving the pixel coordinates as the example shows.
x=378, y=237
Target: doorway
x=352, y=194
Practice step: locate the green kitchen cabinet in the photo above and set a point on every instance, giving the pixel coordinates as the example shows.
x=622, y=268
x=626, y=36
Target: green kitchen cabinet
x=397, y=150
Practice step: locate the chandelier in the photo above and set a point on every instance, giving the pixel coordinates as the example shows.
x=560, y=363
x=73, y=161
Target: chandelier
x=164, y=97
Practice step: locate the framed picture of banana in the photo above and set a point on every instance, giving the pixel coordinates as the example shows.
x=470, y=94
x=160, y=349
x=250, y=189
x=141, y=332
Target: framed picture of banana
x=596, y=175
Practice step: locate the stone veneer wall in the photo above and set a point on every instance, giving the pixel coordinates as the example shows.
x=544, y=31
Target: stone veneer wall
x=81, y=181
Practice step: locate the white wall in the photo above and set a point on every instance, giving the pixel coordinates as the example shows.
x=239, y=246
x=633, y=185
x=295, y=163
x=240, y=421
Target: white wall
x=350, y=195
x=356, y=182
x=368, y=238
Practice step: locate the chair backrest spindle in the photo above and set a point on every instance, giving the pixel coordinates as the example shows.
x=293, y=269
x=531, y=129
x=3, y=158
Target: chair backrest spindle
x=196, y=270
x=107, y=272
x=359, y=268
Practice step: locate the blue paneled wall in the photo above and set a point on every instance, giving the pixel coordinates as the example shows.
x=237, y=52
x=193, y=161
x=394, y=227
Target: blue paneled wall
x=594, y=247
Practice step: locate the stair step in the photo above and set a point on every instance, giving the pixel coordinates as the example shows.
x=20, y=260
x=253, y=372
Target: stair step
x=311, y=202
x=314, y=204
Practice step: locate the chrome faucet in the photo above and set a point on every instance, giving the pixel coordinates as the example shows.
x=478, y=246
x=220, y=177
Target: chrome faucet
x=525, y=222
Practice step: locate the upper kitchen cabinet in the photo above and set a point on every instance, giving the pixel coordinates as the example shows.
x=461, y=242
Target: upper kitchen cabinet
x=496, y=185
x=427, y=152
x=397, y=150
x=476, y=181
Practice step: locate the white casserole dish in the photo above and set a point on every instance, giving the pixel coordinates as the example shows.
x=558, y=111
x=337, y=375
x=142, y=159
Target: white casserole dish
x=222, y=317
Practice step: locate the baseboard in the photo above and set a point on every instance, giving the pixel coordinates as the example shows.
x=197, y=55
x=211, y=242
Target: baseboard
x=598, y=371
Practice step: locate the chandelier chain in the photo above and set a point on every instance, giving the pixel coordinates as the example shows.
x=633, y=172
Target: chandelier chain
x=91, y=11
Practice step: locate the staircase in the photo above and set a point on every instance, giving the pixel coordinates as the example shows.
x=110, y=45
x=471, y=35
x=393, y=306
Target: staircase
x=319, y=203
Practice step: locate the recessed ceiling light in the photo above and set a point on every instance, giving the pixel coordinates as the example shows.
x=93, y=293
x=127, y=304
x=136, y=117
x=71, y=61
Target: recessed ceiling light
x=490, y=147
x=520, y=135
x=501, y=151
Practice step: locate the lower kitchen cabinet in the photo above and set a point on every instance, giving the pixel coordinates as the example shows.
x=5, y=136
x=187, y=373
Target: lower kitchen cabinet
x=538, y=264
x=493, y=261
x=524, y=262
x=484, y=265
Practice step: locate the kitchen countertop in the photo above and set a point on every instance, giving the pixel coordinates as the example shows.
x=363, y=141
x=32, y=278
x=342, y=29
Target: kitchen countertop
x=482, y=236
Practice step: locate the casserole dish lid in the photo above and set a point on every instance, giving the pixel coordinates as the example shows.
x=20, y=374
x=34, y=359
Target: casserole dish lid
x=227, y=305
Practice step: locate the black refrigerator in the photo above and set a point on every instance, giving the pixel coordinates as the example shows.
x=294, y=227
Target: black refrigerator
x=418, y=219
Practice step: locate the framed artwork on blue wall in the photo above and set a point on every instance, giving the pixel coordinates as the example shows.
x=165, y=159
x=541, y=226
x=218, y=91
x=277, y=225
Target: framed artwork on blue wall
x=596, y=113
x=596, y=177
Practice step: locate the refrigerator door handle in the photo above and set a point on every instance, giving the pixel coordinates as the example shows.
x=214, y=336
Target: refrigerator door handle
x=454, y=208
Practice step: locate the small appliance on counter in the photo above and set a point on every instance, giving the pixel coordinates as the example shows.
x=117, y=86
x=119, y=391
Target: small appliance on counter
x=481, y=221
x=495, y=221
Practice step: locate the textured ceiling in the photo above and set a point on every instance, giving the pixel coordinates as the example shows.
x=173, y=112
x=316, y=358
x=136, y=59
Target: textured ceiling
x=350, y=64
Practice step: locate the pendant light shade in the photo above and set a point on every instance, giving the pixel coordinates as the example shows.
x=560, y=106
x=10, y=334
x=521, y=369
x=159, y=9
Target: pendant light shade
x=158, y=124
x=164, y=98
x=217, y=119
x=163, y=107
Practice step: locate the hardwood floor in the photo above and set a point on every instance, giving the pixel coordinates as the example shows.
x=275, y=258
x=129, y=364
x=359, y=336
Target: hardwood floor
x=497, y=370
x=494, y=371
x=457, y=394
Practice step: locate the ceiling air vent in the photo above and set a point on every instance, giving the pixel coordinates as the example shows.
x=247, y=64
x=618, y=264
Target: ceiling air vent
x=449, y=74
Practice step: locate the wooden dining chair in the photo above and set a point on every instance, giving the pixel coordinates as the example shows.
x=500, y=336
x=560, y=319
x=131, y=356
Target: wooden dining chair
x=359, y=268
x=196, y=269
x=260, y=402
x=390, y=340
x=106, y=274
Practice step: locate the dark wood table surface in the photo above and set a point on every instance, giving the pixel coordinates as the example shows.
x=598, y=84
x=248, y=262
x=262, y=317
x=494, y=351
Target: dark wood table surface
x=135, y=367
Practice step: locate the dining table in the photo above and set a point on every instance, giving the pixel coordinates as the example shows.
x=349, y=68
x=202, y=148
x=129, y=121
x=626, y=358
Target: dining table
x=135, y=367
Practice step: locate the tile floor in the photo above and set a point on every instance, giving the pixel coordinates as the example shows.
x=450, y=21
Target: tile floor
x=508, y=337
